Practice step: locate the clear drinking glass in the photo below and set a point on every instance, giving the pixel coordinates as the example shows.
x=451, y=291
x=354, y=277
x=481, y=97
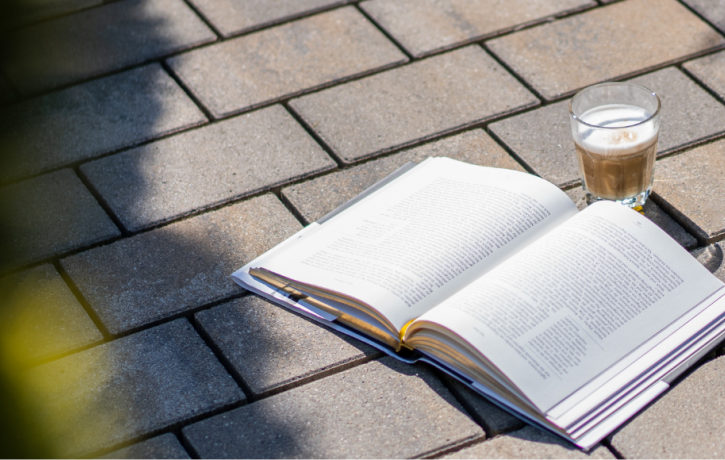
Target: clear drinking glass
x=615, y=128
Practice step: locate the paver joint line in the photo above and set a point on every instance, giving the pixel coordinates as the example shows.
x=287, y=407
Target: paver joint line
x=188, y=148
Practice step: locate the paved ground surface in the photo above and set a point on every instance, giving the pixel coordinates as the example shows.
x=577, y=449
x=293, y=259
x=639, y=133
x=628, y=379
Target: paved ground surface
x=154, y=146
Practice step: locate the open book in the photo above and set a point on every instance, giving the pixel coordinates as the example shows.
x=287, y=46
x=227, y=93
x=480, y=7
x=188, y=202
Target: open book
x=572, y=320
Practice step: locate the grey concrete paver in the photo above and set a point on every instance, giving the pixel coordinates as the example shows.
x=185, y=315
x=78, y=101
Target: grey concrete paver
x=132, y=386
x=711, y=71
x=542, y=138
x=24, y=13
x=712, y=258
x=689, y=114
x=712, y=10
x=529, y=442
x=270, y=347
x=423, y=27
x=563, y=56
x=493, y=419
x=184, y=265
x=401, y=106
x=164, y=446
x=379, y=409
x=92, y=119
x=233, y=17
x=267, y=66
x=100, y=40
x=47, y=216
x=315, y=198
x=686, y=422
x=207, y=166
x=653, y=213
x=691, y=187
x=41, y=317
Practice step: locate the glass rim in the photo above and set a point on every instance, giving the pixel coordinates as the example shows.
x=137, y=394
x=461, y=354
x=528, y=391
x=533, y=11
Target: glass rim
x=599, y=85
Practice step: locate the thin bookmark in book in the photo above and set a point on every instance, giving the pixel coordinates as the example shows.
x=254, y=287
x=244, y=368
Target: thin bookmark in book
x=402, y=334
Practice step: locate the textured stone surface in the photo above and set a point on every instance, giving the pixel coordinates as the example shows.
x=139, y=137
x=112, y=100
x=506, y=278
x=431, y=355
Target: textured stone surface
x=283, y=61
x=380, y=409
x=100, y=40
x=184, y=265
x=712, y=10
x=400, y=106
x=686, y=422
x=164, y=446
x=542, y=138
x=49, y=215
x=689, y=114
x=41, y=317
x=564, y=56
x=129, y=387
x=315, y=198
x=270, y=347
x=427, y=26
x=712, y=258
x=691, y=186
x=206, y=166
x=711, y=71
x=28, y=12
x=232, y=16
x=529, y=442
x=493, y=419
x=653, y=213
x=92, y=119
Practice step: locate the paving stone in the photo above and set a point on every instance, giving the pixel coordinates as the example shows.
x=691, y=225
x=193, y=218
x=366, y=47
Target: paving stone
x=270, y=347
x=563, y=56
x=712, y=257
x=184, y=265
x=284, y=61
x=529, y=442
x=127, y=388
x=100, y=40
x=232, y=17
x=423, y=27
x=412, y=103
x=19, y=13
x=41, y=317
x=203, y=167
x=691, y=187
x=711, y=71
x=686, y=422
x=542, y=138
x=689, y=115
x=49, y=215
x=92, y=119
x=164, y=446
x=380, y=409
x=493, y=419
x=653, y=213
x=712, y=10
x=315, y=198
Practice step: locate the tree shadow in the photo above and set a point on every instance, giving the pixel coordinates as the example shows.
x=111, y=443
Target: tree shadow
x=94, y=398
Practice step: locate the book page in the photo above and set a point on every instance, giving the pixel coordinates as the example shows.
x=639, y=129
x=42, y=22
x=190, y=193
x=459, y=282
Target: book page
x=424, y=236
x=578, y=300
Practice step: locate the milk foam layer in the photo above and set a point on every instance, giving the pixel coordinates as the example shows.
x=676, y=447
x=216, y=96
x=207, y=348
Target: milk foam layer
x=627, y=140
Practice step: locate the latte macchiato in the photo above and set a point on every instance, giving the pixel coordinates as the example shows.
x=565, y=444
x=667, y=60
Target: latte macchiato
x=616, y=163
x=615, y=128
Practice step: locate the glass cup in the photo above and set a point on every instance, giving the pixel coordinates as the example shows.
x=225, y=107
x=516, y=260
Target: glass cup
x=615, y=128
